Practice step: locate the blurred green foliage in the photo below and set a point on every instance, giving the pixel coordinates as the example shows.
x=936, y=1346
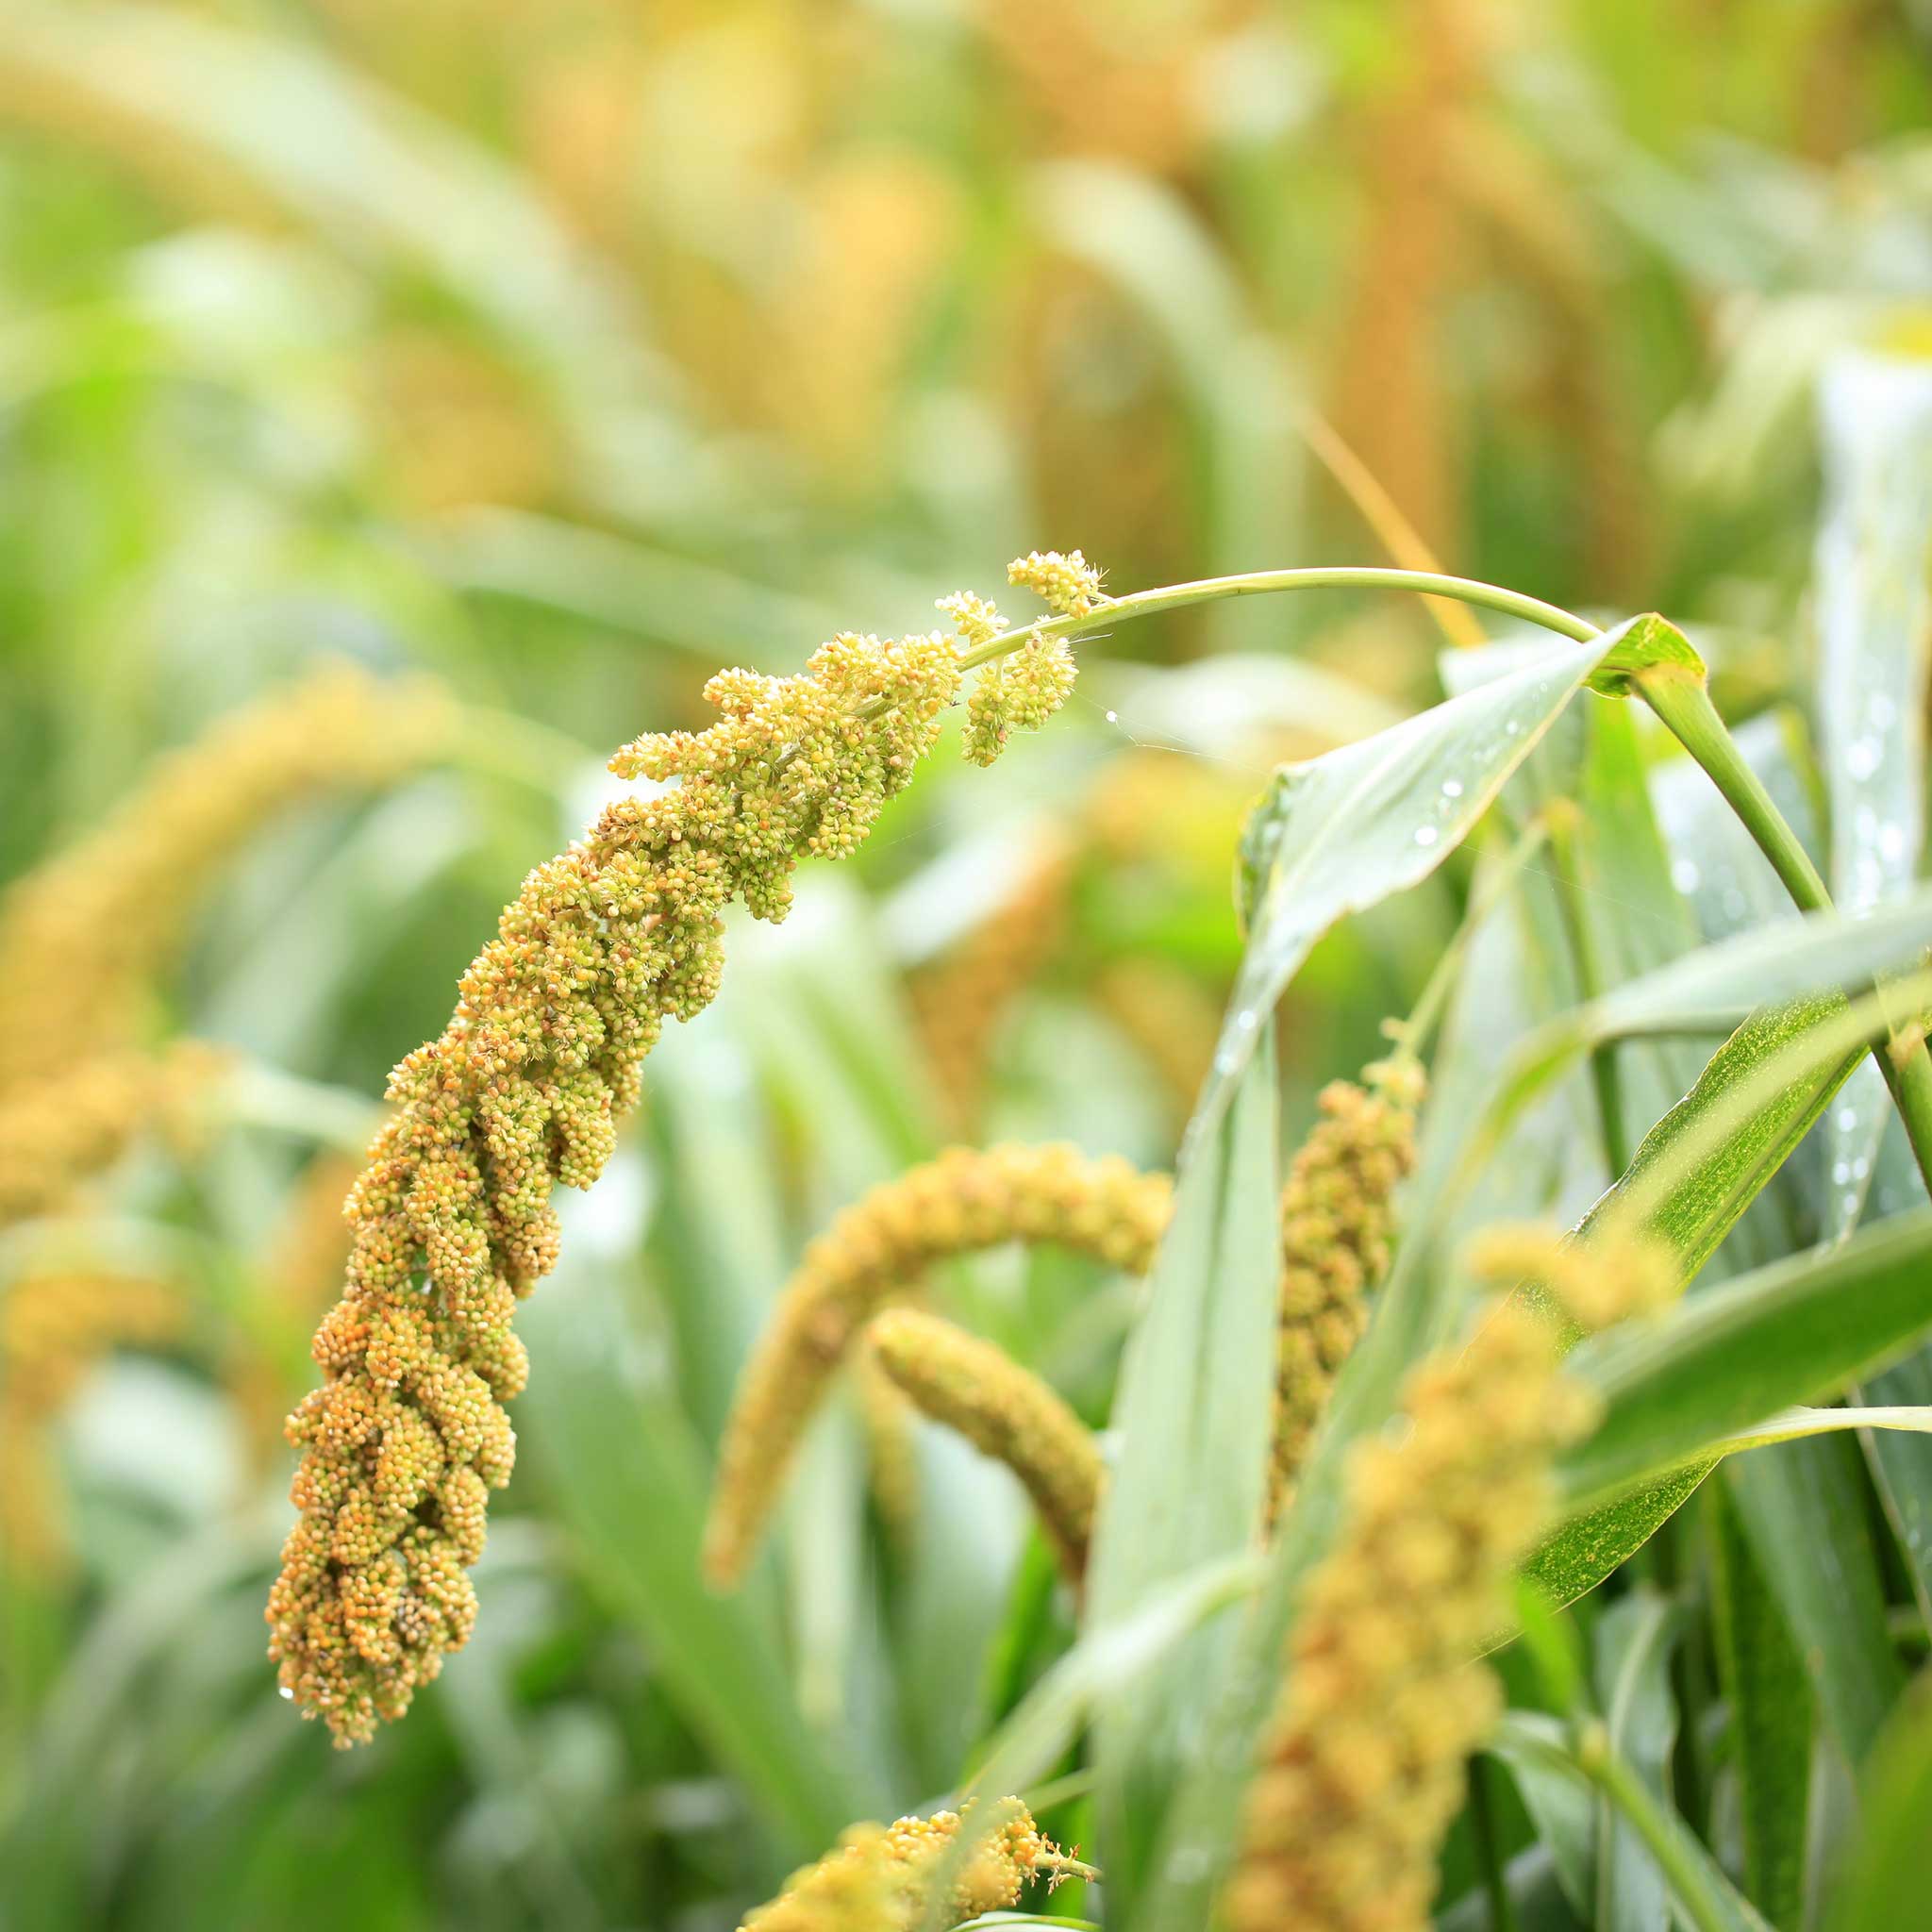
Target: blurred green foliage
x=567, y=353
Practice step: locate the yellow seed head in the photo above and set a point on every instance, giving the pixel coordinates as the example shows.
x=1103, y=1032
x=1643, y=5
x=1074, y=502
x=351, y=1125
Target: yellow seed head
x=877, y=1252
x=1593, y=1282
x=53, y=1328
x=80, y=936
x=1361, y=1767
x=1336, y=1214
x=880, y=1879
x=451, y=1219
x=1068, y=585
x=1005, y=1411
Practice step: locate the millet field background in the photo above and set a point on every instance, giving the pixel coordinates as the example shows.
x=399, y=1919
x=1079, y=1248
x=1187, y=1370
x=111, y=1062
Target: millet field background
x=1260, y=1253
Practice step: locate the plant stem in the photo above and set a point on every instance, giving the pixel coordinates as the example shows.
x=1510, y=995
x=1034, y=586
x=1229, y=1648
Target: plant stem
x=1683, y=703
x=1597, y=1758
x=1489, y=1851
x=1262, y=583
x=1605, y=1075
x=1413, y=1032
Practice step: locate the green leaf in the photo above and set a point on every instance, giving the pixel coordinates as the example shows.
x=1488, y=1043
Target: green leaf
x=1340, y=832
x=1193, y=1416
x=1804, y=1507
x=1644, y=644
x=628, y=1480
x=1773, y=1718
x=1573, y=1560
x=1531, y=1745
x=1705, y=1162
x=1539, y=1753
x=1885, y=1889
x=1103, y=1665
x=1902, y=1467
x=1634, y=1644
x=1740, y=1353
x=1874, y=631
x=1628, y=910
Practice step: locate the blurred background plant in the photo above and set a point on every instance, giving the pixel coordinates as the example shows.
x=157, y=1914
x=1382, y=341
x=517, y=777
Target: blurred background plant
x=536, y=361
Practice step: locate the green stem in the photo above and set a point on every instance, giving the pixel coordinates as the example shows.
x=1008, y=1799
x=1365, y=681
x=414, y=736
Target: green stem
x=1413, y=1033
x=1599, y=1761
x=1678, y=698
x=1683, y=703
x=1591, y=983
x=1262, y=583
x=1489, y=1849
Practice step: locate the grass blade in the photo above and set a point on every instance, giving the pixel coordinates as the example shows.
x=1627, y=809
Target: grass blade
x=1194, y=1414
x=1740, y=1353
x=1340, y=832
x=1802, y=1506
x=1885, y=1887
x=629, y=1479
x=1876, y=414
x=1774, y=1717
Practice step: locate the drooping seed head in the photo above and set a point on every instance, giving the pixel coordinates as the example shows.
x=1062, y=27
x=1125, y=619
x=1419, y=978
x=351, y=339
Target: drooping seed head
x=877, y=1252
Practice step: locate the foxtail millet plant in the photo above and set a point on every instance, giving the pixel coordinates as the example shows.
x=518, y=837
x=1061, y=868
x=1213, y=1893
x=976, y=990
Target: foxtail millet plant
x=891, y=1447
x=84, y=933
x=880, y=1879
x=1361, y=1769
x=451, y=1218
x=56, y=1324
x=58, y=1131
x=877, y=1251
x=1338, y=1210
x=1005, y=1411
x=84, y=936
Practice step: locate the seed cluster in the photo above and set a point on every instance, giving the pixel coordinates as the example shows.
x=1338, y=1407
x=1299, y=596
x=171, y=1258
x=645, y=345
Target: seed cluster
x=53, y=1328
x=1068, y=585
x=880, y=1879
x=1022, y=691
x=59, y=1130
x=83, y=937
x=1004, y=1411
x=451, y=1218
x=876, y=1253
x=892, y=1448
x=1336, y=1214
x=1362, y=1766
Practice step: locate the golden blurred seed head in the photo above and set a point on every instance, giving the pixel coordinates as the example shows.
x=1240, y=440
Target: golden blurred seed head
x=1382, y=1701
x=875, y=1252
x=59, y=1131
x=81, y=935
x=1005, y=1411
x=53, y=1328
